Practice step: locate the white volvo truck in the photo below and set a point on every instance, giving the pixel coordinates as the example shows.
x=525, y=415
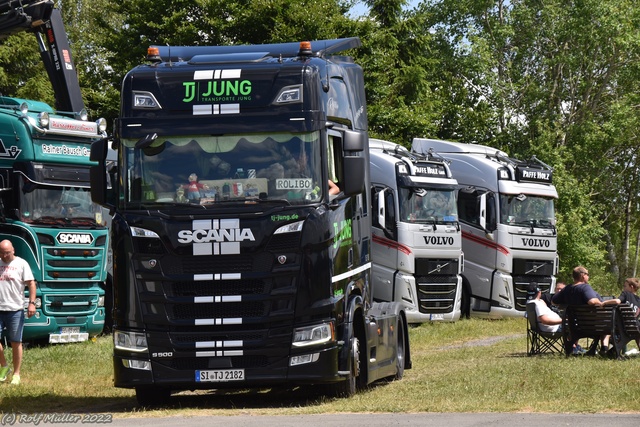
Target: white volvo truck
x=507, y=216
x=416, y=243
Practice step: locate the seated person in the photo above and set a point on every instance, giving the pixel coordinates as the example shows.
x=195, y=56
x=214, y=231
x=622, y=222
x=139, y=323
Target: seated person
x=548, y=320
x=581, y=293
x=419, y=211
x=546, y=297
x=629, y=296
x=438, y=203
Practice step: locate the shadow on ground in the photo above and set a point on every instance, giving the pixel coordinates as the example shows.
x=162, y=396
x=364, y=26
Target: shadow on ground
x=199, y=399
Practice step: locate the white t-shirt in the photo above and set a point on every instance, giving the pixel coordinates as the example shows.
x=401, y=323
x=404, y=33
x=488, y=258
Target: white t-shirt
x=13, y=278
x=543, y=309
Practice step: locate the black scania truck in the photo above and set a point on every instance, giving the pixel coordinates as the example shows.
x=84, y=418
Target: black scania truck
x=234, y=264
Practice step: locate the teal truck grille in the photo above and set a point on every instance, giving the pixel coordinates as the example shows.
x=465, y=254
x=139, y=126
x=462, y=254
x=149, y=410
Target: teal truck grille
x=75, y=264
x=70, y=305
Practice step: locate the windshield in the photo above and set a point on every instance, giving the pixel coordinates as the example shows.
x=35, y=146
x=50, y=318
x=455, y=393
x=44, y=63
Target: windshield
x=428, y=205
x=527, y=210
x=52, y=205
x=204, y=169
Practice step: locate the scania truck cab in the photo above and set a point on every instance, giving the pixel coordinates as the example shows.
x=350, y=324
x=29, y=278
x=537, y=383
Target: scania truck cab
x=507, y=216
x=234, y=267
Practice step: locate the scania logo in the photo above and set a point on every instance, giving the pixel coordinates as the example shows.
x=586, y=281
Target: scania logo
x=74, y=238
x=216, y=237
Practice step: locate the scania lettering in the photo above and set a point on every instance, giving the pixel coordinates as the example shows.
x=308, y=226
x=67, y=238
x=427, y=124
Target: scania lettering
x=233, y=265
x=416, y=250
x=46, y=207
x=507, y=218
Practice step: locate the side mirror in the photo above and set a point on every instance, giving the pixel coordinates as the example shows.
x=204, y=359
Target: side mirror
x=381, y=212
x=98, y=173
x=354, y=141
x=354, y=174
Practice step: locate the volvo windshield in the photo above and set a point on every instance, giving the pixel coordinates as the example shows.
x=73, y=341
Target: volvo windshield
x=428, y=205
x=205, y=169
x=527, y=210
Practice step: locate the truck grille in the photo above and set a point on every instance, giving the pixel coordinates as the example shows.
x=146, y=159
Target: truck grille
x=70, y=304
x=73, y=264
x=249, y=317
x=437, y=282
x=526, y=272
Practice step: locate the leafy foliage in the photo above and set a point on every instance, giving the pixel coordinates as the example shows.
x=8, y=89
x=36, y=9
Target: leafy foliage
x=554, y=79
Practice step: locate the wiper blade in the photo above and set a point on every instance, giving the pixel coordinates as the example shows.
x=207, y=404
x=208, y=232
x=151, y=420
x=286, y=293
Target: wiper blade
x=50, y=220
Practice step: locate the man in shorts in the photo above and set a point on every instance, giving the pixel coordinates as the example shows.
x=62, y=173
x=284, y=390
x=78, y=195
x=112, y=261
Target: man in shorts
x=15, y=275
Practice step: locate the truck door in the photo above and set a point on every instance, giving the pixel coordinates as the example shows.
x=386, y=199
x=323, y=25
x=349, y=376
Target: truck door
x=384, y=250
x=480, y=249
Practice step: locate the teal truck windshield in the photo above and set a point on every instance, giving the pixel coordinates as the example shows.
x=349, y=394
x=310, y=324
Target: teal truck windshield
x=527, y=210
x=205, y=169
x=56, y=205
x=428, y=205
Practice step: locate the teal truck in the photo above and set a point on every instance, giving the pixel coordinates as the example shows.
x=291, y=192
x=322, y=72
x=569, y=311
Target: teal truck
x=45, y=204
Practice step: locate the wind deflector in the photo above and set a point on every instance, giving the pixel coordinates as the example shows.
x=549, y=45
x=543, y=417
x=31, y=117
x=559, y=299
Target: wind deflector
x=319, y=47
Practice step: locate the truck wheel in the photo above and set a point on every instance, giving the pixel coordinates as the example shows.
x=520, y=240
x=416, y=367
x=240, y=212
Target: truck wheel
x=400, y=347
x=152, y=396
x=349, y=386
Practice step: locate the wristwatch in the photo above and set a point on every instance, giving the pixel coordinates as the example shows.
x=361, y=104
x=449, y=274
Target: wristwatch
x=32, y=302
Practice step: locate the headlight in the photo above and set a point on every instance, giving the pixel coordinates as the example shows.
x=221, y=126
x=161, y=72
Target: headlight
x=102, y=124
x=130, y=341
x=313, y=335
x=141, y=232
x=43, y=119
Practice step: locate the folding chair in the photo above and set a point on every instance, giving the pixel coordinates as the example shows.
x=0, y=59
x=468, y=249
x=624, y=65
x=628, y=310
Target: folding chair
x=538, y=341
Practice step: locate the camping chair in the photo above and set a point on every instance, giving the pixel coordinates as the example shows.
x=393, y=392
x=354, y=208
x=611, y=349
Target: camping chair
x=538, y=341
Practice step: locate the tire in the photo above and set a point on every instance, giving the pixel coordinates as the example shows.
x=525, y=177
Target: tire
x=349, y=386
x=151, y=396
x=400, y=347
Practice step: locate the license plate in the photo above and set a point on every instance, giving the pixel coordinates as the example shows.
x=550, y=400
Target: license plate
x=70, y=330
x=437, y=316
x=220, y=375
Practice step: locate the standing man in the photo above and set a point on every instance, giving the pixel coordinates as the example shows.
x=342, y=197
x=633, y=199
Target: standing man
x=15, y=274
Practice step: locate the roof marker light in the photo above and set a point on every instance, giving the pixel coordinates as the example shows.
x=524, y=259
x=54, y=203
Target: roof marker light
x=305, y=49
x=153, y=54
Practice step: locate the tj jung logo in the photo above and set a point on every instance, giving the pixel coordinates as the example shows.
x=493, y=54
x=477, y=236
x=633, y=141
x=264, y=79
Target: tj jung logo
x=216, y=237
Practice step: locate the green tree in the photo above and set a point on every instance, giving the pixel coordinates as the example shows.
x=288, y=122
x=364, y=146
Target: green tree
x=398, y=73
x=544, y=79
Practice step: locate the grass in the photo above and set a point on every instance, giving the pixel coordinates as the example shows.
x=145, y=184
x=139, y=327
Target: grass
x=468, y=366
